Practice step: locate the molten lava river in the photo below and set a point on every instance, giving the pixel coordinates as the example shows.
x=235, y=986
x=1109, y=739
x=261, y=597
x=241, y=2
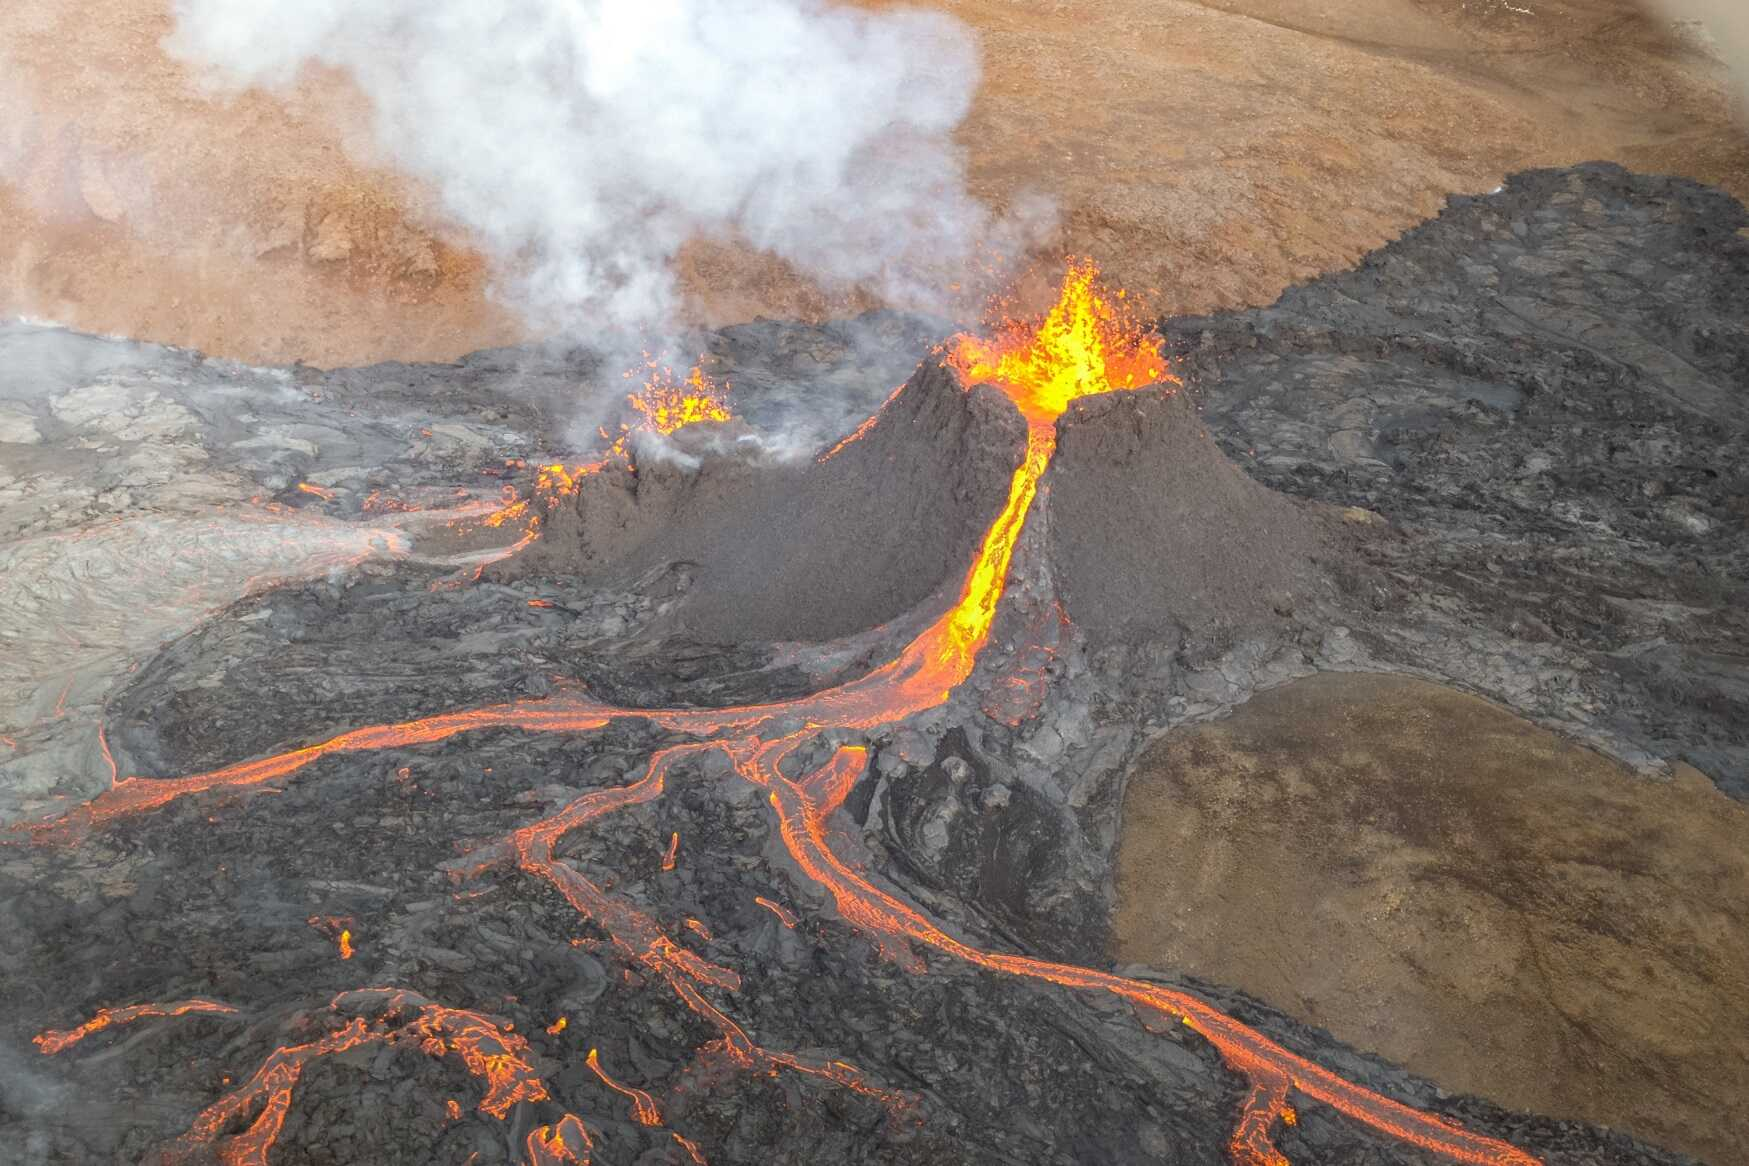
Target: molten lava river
x=803, y=756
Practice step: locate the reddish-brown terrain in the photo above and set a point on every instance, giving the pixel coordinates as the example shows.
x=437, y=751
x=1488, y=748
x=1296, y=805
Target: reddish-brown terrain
x=1210, y=153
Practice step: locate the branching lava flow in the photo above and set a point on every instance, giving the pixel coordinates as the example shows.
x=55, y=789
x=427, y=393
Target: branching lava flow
x=1087, y=344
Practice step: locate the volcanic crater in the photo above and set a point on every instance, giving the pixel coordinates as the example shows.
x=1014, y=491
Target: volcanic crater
x=748, y=808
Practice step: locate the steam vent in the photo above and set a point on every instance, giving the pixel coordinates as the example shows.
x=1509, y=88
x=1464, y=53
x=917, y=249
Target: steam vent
x=723, y=620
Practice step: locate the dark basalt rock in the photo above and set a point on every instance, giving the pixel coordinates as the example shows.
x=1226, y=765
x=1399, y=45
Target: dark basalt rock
x=1546, y=394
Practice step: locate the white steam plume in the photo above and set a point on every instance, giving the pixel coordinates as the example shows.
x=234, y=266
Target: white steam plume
x=582, y=142
x=1727, y=26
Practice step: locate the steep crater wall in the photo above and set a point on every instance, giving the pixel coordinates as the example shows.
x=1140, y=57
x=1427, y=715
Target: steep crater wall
x=1153, y=530
x=807, y=550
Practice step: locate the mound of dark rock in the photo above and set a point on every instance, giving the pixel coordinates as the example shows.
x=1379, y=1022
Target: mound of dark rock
x=1153, y=530
x=798, y=550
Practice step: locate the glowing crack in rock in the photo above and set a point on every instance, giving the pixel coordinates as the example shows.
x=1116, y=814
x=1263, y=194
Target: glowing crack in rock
x=783, y=915
x=565, y=1141
x=1086, y=344
x=643, y=1105
x=55, y=1040
x=389, y=1016
x=664, y=405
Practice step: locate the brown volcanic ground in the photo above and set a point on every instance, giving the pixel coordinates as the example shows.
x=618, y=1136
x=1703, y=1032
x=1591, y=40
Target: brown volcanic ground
x=1428, y=876
x=1214, y=152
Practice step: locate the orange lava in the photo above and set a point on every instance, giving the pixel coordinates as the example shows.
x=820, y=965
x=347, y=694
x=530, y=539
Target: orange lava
x=512, y=509
x=322, y=492
x=54, y=1041
x=667, y=403
x=673, y=851
x=638, y=937
x=558, y=479
x=398, y=1017
x=566, y=1141
x=336, y=927
x=783, y=916
x=102, y=745
x=691, y=1148
x=1087, y=344
x=643, y=1105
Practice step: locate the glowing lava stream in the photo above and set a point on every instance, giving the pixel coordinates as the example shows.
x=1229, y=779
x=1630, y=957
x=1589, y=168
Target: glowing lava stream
x=54, y=1041
x=1085, y=345
x=494, y=1054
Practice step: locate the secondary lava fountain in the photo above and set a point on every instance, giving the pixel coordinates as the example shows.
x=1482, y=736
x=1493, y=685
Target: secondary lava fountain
x=664, y=405
x=1088, y=343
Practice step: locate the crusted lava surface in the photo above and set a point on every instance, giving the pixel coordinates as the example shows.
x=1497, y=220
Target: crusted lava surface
x=1507, y=452
x=1543, y=393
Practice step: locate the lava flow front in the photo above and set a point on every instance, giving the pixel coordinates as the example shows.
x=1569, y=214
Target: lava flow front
x=1087, y=344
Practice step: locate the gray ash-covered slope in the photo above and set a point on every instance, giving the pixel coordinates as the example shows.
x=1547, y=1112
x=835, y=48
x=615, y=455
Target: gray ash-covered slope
x=1546, y=393
x=1153, y=531
x=798, y=549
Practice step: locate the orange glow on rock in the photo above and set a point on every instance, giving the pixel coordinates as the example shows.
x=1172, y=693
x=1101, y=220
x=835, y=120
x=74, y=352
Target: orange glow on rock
x=565, y=1141
x=102, y=744
x=53, y=1041
x=643, y=1105
x=691, y=1148
x=512, y=509
x=861, y=430
x=400, y=1017
x=1089, y=342
x=667, y=403
x=783, y=916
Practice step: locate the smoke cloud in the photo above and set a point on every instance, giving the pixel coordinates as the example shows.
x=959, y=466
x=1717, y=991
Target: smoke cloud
x=583, y=142
x=1726, y=23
